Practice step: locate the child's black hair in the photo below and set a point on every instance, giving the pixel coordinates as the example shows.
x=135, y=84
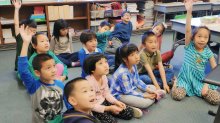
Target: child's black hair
x=34, y=38
x=89, y=63
x=146, y=35
x=58, y=25
x=87, y=36
x=123, y=52
x=195, y=31
x=104, y=23
x=124, y=12
x=69, y=87
x=39, y=59
x=29, y=22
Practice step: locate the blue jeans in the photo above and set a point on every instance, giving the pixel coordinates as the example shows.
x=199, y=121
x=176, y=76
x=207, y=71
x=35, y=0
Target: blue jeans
x=169, y=75
x=68, y=58
x=110, y=58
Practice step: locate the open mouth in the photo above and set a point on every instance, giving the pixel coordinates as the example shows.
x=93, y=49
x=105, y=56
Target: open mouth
x=92, y=100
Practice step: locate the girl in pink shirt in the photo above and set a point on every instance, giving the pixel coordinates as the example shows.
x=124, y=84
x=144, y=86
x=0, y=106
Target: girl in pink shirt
x=107, y=107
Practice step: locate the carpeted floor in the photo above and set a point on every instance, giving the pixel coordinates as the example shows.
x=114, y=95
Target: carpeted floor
x=15, y=104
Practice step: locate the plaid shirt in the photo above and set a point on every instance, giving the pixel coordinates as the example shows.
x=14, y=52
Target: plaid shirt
x=124, y=82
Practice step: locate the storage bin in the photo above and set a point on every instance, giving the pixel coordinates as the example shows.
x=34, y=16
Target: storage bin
x=117, y=13
x=108, y=13
x=97, y=14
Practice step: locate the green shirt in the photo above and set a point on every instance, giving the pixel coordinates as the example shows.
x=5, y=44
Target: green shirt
x=149, y=58
x=102, y=39
x=65, y=72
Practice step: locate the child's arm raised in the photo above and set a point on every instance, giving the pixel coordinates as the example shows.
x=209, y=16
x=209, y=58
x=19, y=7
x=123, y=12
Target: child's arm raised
x=30, y=83
x=17, y=5
x=188, y=6
x=26, y=35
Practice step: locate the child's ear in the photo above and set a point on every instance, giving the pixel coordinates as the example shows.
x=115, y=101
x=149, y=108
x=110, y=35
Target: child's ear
x=37, y=73
x=72, y=101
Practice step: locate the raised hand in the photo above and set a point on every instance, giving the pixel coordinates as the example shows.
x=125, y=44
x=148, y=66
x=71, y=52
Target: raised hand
x=17, y=4
x=26, y=34
x=188, y=4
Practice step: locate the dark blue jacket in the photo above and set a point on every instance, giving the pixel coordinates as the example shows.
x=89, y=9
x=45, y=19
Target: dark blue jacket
x=72, y=116
x=122, y=31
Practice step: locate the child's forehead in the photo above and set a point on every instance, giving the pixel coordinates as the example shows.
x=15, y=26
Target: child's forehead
x=42, y=37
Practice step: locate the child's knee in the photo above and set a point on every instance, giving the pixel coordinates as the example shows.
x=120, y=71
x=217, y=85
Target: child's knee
x=60, y=69
x=212, y=97
x=178, y=93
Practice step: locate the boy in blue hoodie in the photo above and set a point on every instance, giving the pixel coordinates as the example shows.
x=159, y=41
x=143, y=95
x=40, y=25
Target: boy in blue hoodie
x=81, y=96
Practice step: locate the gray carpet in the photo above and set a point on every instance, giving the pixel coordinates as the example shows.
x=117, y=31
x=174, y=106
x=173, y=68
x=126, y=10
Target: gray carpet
x=15, y=102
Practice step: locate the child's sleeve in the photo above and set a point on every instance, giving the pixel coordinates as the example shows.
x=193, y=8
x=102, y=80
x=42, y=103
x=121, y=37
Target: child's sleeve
x=52, y=44
x=114, y=32
x=81, y=56
x=209, y=53
x=140, y=84
x=159, y=56
x=108, y=96
x=126, y=86
x=31, y=66
x=26, y=76
x=104, y=35
x=65, y=71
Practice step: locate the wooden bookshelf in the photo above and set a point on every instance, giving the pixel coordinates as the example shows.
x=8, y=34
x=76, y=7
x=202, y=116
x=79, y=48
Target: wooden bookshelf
x=80, y=21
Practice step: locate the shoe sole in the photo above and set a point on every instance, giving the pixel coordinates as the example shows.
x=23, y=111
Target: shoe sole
x=137, y=112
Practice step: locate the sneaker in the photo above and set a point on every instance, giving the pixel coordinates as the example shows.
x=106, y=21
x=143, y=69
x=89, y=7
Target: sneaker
x=137, y=112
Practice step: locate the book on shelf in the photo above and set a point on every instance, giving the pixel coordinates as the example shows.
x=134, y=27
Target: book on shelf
x=6, y=21
x=38, y=10
x=61, y=12
x=7, y=33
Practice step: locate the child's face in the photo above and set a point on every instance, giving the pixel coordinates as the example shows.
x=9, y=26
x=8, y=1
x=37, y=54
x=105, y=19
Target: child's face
x=158, y=30
x=133, y=58
x=83, y=96
x=201, y=38
x=64, y=32
x=126, y=18
x=43, y=44
x=101, y=67
x=48, y=70
x=91, y=45
x=151, y=44
x=104, y=29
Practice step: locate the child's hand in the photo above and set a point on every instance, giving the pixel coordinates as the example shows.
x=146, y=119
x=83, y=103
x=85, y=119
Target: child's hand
x=188, y=5
x=61, y=78
x=102, y=30
x=120, y=104
x=26, y=34
x=17, y=4
x=166, y=88
x=157, y=87
x=115, y=109
x=150, y=96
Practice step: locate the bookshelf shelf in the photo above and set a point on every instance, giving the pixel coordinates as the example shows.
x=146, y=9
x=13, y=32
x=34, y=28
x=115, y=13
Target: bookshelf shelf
x=75, y=18
x=81, y=14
